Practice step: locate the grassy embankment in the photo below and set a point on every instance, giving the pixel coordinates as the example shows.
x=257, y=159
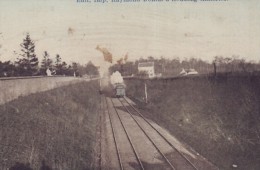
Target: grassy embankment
x=220, y=118
x=54, y=128
x=13, y=88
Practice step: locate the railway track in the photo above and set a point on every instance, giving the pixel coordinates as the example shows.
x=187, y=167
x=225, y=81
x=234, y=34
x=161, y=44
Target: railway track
x=157, y=131
x=138, y=143
x=163, y=155
x=120, y=151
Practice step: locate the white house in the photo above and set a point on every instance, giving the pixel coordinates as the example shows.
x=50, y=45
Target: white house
x=188, y=72
x=147, y=67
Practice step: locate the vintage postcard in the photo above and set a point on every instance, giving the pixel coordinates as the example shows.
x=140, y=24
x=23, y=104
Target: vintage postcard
x=130, y=84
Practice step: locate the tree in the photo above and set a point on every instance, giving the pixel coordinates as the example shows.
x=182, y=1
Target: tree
x=7, y=69
x=27, y=62
x=114, y=68
x=91, y=70
x=46, y=63
x=58, y=65
x=73, y=69
x=64, y=68
x=57, y=60
x=218, y=62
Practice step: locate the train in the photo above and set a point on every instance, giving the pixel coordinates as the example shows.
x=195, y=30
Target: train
x=119, y=89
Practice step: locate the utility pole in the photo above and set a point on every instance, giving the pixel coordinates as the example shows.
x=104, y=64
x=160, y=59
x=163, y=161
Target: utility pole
x=145, y=92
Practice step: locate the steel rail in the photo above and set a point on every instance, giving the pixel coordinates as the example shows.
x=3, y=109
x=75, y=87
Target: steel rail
x=128, y=137
x=162, y=136
x=113, y=132
x=100, y=135
x=166, y=159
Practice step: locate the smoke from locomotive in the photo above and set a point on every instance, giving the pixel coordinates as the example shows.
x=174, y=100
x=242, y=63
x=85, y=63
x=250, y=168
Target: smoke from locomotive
x=116, y=78
x=117, y=82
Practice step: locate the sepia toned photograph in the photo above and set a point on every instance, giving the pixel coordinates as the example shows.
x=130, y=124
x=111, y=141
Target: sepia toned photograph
x=129, y=85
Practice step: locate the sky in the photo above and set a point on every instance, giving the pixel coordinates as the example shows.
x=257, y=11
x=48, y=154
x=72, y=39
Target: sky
x=140, y=29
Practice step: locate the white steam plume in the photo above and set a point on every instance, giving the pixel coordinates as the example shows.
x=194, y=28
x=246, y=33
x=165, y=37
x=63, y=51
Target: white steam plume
x=116, y=78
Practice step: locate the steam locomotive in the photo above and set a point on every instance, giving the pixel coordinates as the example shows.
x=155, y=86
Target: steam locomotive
x=119, y=89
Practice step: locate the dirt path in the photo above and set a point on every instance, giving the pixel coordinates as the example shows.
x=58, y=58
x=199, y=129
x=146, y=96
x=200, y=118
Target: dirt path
x=151, y=148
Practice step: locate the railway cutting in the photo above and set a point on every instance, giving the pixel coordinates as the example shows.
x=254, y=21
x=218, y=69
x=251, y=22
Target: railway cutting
x=130, y=141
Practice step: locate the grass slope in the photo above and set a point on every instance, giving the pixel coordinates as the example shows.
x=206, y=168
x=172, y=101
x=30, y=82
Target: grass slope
x=54, y=129
x=220, y=118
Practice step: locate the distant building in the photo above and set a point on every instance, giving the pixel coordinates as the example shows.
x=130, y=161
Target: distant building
x=188, y=72
x=147, y=67
x=192, y=72
x=183, y=72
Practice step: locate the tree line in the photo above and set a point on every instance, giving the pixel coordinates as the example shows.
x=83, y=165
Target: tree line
x=28, y=64
x=173, y=67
